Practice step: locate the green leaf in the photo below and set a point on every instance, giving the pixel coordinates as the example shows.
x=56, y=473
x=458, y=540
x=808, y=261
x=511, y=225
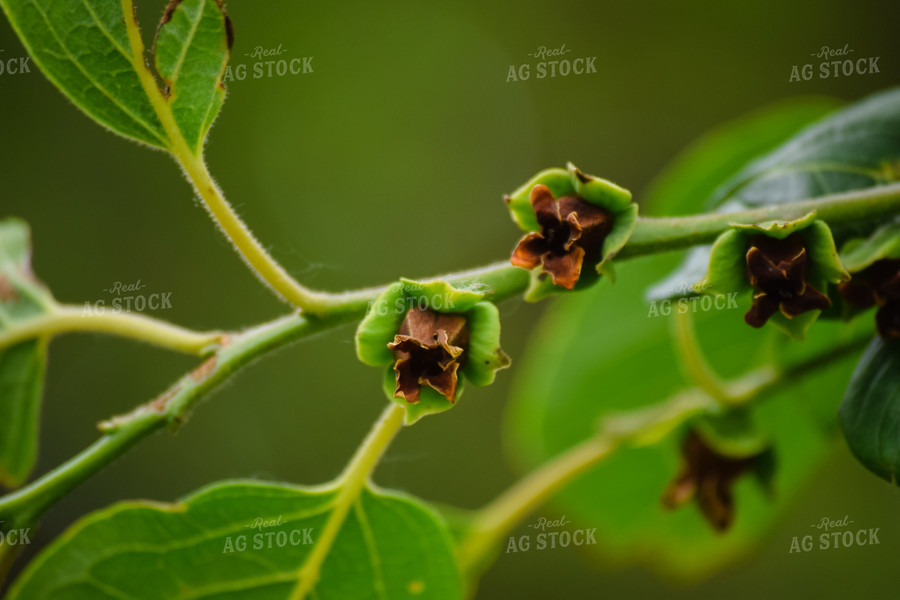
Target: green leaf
x=83, y=48
x=22, y=365
x=859, y=253
x=689, y=183
x=92, y=51
x=849, y=150
x=192, y=47
x=389, y=546
x=601, y=354
x=870, y=413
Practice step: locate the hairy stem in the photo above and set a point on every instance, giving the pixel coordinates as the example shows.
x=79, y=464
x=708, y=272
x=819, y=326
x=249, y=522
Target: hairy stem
x=170, y=408
x=66, y=319
x=672, y=233
x=350, y=484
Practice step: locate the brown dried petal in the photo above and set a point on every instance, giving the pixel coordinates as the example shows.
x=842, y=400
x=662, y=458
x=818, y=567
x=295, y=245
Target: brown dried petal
x=777, y=265
x=810, y=299
x=572, y=231
x=565, y=269
x=884, y=276
x=407, y=380
x=443, y=382
x=428, y=350
x=707, y=476
x=778, y=271
x=545, y=206
x=528, y=251
x=887, y=320
x=859, y=294
x=763, y=307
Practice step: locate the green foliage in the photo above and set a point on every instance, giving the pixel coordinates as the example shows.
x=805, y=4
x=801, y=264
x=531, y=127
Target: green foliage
x=849, y=150
x=389, y=547
x=870, y=413
x=92, y=51
x=22, y=297
x=601, y=362
x=192, y=48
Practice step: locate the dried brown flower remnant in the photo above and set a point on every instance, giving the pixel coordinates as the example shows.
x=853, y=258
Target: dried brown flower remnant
x=707, y=476
x=878, y=285
x=429, y=350
x=572, y=233
x=779, y=273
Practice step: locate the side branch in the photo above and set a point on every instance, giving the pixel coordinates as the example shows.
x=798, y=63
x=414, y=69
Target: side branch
x=66, y=319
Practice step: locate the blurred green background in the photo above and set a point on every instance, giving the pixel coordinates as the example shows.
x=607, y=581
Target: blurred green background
x=391, y=159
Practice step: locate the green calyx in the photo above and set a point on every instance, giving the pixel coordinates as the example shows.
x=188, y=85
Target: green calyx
x=729, y=269
x=478, y=363
x=613, y=201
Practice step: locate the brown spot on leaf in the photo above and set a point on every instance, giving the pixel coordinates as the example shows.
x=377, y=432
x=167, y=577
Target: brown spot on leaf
x=170, y=9
x=229, y=30
x=203, y=371
x=7, y=292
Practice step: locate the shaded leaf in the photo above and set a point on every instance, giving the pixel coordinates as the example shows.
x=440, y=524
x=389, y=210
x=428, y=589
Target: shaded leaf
x=870, y=413
x=21, y=365
x=247, y=540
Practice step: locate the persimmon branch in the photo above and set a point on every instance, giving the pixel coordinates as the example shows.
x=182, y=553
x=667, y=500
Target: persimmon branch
x=640, y=427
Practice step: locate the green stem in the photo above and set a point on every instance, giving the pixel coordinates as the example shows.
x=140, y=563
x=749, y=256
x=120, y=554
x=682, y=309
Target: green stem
x=499, y=517
x=172, y=408
x=691, y=358
x=640, y=427
x=350, y=484
x=65, y=319
x=672, y=233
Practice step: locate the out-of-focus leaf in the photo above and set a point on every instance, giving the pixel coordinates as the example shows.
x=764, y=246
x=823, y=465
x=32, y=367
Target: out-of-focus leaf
x=22, y=297
x=688, y=183
x=870, y=413
x=247, y=540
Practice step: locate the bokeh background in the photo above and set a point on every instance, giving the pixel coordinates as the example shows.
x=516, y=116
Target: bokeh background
x=391, y=159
